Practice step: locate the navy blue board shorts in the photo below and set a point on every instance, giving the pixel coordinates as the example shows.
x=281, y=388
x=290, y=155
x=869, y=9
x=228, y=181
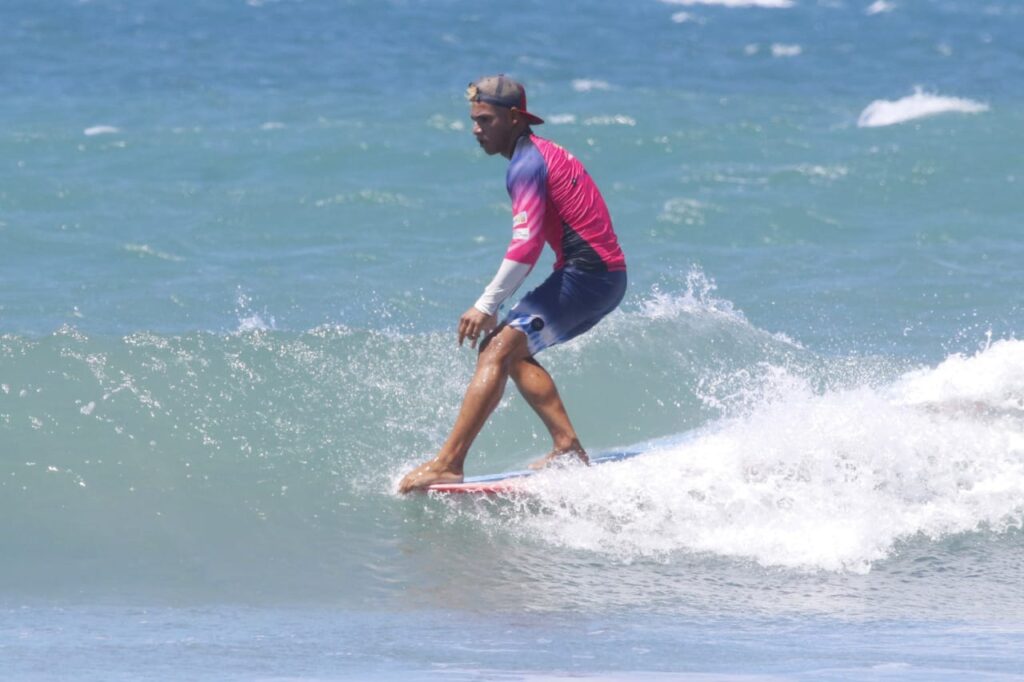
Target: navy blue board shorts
x=566, y=304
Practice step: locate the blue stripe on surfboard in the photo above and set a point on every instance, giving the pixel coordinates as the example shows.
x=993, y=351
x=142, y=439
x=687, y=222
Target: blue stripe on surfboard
x=603, y=458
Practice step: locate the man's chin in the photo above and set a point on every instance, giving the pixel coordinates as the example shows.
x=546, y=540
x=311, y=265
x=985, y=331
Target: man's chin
x=490, y=151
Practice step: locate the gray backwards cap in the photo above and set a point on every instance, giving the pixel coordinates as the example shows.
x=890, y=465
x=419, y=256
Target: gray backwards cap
x=503, y=92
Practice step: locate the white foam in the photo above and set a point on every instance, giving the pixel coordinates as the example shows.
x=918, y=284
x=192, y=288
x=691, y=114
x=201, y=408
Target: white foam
x=147, y=250
x=818, y=171
x=587, y=84
x=683, y=211
x=255, y=323
x=879, y=7
x=769, y=4
x=369, y=196
x=441, y=122
x=699, y=296
x=561, y=119
x=618, y=119
x=993, y=378
x=101, y=130
x=248, y=320
x=918, y=105
x=783, y=50
x=805, y=479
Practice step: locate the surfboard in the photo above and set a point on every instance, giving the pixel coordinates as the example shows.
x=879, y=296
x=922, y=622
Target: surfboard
x=511, y=482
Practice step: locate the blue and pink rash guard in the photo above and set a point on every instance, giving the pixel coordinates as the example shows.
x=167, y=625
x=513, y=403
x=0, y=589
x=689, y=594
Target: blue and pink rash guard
x=555, y=201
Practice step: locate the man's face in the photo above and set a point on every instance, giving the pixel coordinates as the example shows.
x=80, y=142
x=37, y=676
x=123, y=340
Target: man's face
x=492, y=126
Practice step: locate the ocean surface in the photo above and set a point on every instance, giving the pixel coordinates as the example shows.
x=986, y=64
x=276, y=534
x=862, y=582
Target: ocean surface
x=235, y=240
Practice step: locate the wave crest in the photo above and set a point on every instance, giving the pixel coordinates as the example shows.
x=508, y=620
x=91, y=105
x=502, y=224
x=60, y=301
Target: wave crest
x=918, y=105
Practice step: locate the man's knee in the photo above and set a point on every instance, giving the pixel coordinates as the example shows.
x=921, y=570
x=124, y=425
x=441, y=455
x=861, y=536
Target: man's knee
x=522, y=367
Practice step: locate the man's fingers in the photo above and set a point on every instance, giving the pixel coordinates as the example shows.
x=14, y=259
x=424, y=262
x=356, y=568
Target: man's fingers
x=467, y=331
x=470, y=327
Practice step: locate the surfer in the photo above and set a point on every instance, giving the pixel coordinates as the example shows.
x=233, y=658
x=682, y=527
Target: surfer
x=554, y=200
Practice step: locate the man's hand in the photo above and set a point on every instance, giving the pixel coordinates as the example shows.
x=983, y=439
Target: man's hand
x=473, y=323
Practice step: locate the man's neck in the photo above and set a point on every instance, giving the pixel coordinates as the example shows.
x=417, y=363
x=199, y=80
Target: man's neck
x=515, y=143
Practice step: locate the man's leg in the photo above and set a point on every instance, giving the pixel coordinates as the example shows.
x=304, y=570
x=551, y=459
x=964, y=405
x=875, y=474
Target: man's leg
x=499, y=353
x=537, y=386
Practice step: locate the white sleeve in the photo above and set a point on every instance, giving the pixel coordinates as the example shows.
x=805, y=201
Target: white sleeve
x=510, y=275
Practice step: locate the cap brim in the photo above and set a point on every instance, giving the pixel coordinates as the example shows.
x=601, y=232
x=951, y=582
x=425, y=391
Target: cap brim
x=535, y=120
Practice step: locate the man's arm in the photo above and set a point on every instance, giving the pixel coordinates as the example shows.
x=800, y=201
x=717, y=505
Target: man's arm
x=483, y=316
x=509, y=277
x=527, y=184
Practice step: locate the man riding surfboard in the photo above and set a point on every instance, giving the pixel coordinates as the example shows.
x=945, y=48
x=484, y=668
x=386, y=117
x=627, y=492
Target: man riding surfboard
x=554, y=201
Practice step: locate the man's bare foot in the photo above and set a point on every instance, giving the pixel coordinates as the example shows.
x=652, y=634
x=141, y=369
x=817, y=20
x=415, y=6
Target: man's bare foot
x=556, y=456
x=427, y=474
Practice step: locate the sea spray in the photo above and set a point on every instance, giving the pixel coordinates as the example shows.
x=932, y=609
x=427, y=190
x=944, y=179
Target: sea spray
x=150, y=444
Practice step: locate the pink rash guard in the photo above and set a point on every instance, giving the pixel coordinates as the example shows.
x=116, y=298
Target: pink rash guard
x=554, y=200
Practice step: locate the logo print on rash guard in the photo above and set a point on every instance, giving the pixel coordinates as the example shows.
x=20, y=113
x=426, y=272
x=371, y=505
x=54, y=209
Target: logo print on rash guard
x=520, y=233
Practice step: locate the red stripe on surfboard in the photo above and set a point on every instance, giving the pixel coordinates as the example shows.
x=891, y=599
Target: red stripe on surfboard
x=493, y=488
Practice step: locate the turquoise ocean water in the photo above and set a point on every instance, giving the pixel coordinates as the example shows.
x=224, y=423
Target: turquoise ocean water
x=235, y=238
